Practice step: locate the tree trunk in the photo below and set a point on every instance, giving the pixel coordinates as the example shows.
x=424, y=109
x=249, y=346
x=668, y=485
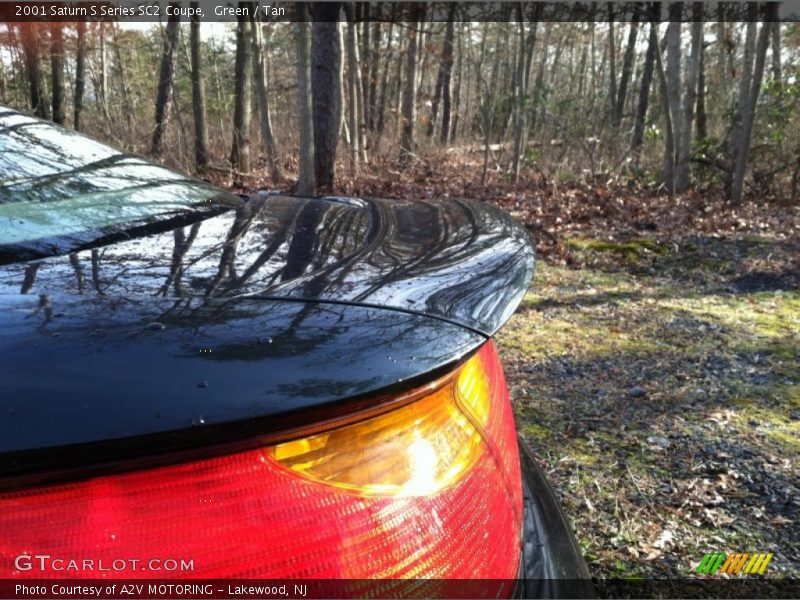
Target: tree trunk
x=365, y=52
x=644, y=96
x=30, y=37
x=612, y=64
x=377, y=34
x=777, y=74
x=127, y=97
x=538, y=86
x=627, y=70
x=373, y=78
x=422, y=57
x=702, y=118
x=164, y=93
x=737, y=125
x=364, y=35
x=57, y=71
x=737, y=189
x=100, y=75
x=305, y=182
x=380, y=124
x=362, y=117
x=80, y=73
x=487, y=102
x=242, y=94
x=437, y=96
x=685, y=143
x=409, y=115
x=673, y=80
x=443, y=74
x=261, y=74
x=724, y=53
x=198, y=95
x=447, y=61
x=352, y=86
x=326, y=60
x=457, y=90
x=397, y=84
x=520, y=95
x=669, y=149
x=102, y=91
x=344, y=130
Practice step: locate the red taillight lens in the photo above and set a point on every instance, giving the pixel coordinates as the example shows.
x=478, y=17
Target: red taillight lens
x=428, y=490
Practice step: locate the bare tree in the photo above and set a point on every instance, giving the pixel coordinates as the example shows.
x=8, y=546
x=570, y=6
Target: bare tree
x=524, y=59
x=261, y=74
x=305, y=183
x=673, y=91
x=644, y=95
x=457, y=91
x=447, y=61
x=165, y=80
x=701, y=117
x=669, y=146
x=488, y=97
x=381, y=107
x=80, y=73
x=690, y=99
x=352, y=86
x=242, y=94
x=777, y=71
x=627, y=71
x=749, y=107
x=612, y=63
x=442, y=89
x=102, y=83
x=198, y=94
x=57, y=71
x=408, y=144
x=745, y=81
x=374, y=70
x=326, y=61
x=127, y=97
x=30, y=38
x=362, y=117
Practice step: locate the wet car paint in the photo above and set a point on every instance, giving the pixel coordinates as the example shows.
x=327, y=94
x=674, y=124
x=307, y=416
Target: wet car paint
x=458, y=260
x=244, y=318
x=179, y=374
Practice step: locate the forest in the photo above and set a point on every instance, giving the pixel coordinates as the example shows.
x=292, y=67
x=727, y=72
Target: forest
x=652, y=154
x=662, y=106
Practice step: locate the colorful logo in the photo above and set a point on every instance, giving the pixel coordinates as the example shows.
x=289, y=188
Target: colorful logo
x=742, y=562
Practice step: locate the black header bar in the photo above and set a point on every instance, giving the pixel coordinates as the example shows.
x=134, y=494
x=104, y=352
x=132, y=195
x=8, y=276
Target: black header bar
x=279, y=11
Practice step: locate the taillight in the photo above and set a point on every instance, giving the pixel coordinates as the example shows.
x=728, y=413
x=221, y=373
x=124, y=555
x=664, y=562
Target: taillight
x=428, y=490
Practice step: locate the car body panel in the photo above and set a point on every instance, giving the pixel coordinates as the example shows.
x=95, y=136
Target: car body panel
x=459, y=260
x=91, y=369
x=231, y=322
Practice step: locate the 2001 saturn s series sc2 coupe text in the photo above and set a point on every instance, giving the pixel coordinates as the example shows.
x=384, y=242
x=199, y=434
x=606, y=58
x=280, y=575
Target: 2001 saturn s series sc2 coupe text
x=272, y=387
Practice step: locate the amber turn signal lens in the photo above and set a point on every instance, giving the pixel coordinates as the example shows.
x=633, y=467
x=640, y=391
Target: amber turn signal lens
x=416, y=450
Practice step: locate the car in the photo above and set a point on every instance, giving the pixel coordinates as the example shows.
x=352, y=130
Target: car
x=198, y=384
